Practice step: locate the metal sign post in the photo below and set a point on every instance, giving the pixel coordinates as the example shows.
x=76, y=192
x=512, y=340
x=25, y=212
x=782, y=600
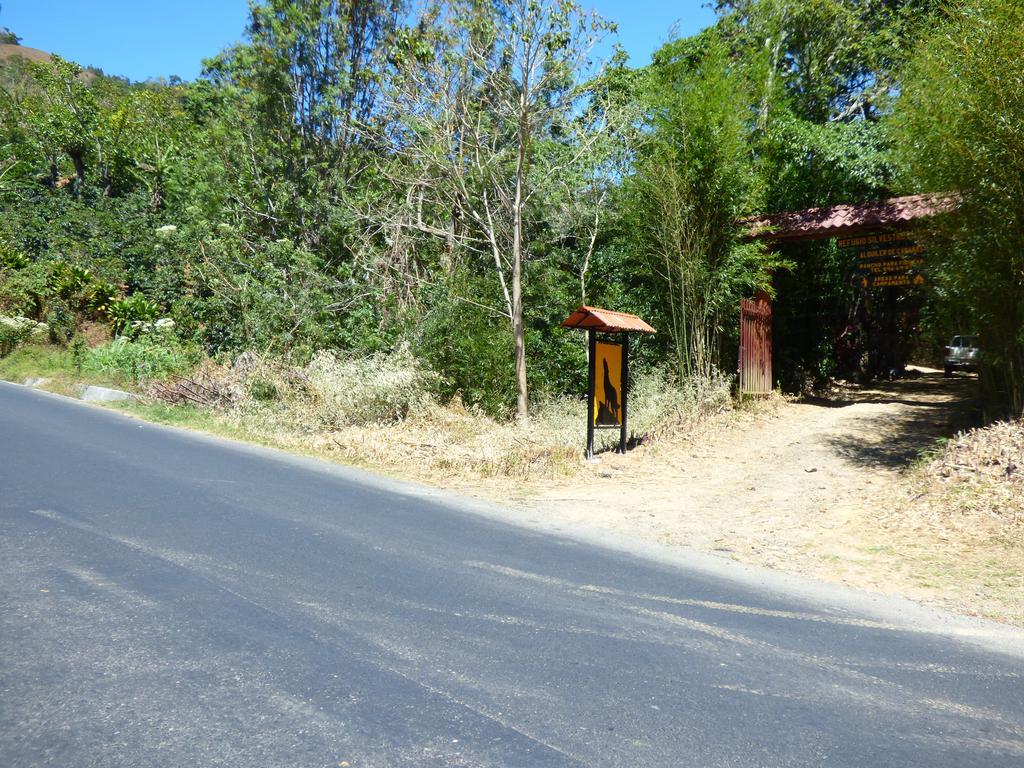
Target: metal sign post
x=625, y=390
x=592, y=366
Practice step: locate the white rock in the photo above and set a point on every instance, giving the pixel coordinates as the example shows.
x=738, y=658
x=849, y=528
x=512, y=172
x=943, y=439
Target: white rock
x=93, y=394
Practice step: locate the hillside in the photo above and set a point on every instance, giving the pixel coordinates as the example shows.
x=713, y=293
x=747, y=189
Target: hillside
x=11, y=55
x=9, y=51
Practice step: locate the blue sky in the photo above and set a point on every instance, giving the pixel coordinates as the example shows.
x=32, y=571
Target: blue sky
x=140, y=39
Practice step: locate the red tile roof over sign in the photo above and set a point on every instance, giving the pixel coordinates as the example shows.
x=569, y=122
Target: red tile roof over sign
x=605, y=321
x=835, y=220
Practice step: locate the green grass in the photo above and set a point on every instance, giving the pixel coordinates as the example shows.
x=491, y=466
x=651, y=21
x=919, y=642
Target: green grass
x=930, y=453
x=36, y=360
x=54, y=363
x=145, y=358
x=117, y=364
x=187, y=416
x=883, y=549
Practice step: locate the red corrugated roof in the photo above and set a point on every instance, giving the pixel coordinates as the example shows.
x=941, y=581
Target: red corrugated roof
x=835, y=220
x=605, y=321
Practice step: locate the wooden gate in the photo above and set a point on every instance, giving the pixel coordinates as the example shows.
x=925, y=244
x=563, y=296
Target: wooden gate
x=755, y=368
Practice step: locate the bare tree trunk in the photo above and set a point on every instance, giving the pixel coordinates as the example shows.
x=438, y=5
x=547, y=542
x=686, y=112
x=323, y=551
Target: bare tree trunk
x=156, y=198
x=518, y=331
x=590, y=250
x=79, y=163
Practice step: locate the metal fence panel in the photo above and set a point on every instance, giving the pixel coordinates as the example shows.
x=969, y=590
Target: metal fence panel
x=755, y=368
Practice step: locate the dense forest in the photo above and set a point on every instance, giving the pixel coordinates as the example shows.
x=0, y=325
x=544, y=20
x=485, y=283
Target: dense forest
x=453, y=177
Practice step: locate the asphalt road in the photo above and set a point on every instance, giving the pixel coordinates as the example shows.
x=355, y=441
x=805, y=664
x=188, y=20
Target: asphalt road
x=168, y=600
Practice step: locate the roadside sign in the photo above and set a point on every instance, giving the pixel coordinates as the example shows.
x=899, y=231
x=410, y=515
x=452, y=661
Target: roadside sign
x=891, y=281
x=903, y=249
x=608, y=363
x=890, y=266
x=887, y=260
x=607, y=385
x=865, y=242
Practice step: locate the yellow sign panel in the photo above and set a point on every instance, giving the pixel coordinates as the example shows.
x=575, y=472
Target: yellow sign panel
x=607, y=385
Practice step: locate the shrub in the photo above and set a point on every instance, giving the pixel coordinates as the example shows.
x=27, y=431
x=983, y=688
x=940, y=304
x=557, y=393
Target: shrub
x=263, y=390
x=959, y=127
x=11, y=258
x=59, y=292
x=150, y=357
x=14, y=331
x=79, y=352
x=60, y=316
x=99, y=297
x=69, y=281
x=377, y=388
x=25, y=291
x=131, y=309
x=659, y=403
x=476, y=361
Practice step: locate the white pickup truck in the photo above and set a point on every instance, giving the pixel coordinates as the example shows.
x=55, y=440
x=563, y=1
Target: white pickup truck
x=962, y=354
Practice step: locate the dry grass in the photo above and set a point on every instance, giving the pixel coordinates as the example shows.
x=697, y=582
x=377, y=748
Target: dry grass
x=960, y=521
x=380, y=411
x=10, y=51
x=974, y=486
x=452, y=442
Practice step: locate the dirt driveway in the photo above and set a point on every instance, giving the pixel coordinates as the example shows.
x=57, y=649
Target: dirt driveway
x=810, y=487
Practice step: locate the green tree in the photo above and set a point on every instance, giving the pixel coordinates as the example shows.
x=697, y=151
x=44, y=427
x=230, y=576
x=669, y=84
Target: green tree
x=823, y=76
x=959, y=128
x=828, y=59
x=61, y=116
x=484, y=86
x=693, y=179
x=297, y=104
